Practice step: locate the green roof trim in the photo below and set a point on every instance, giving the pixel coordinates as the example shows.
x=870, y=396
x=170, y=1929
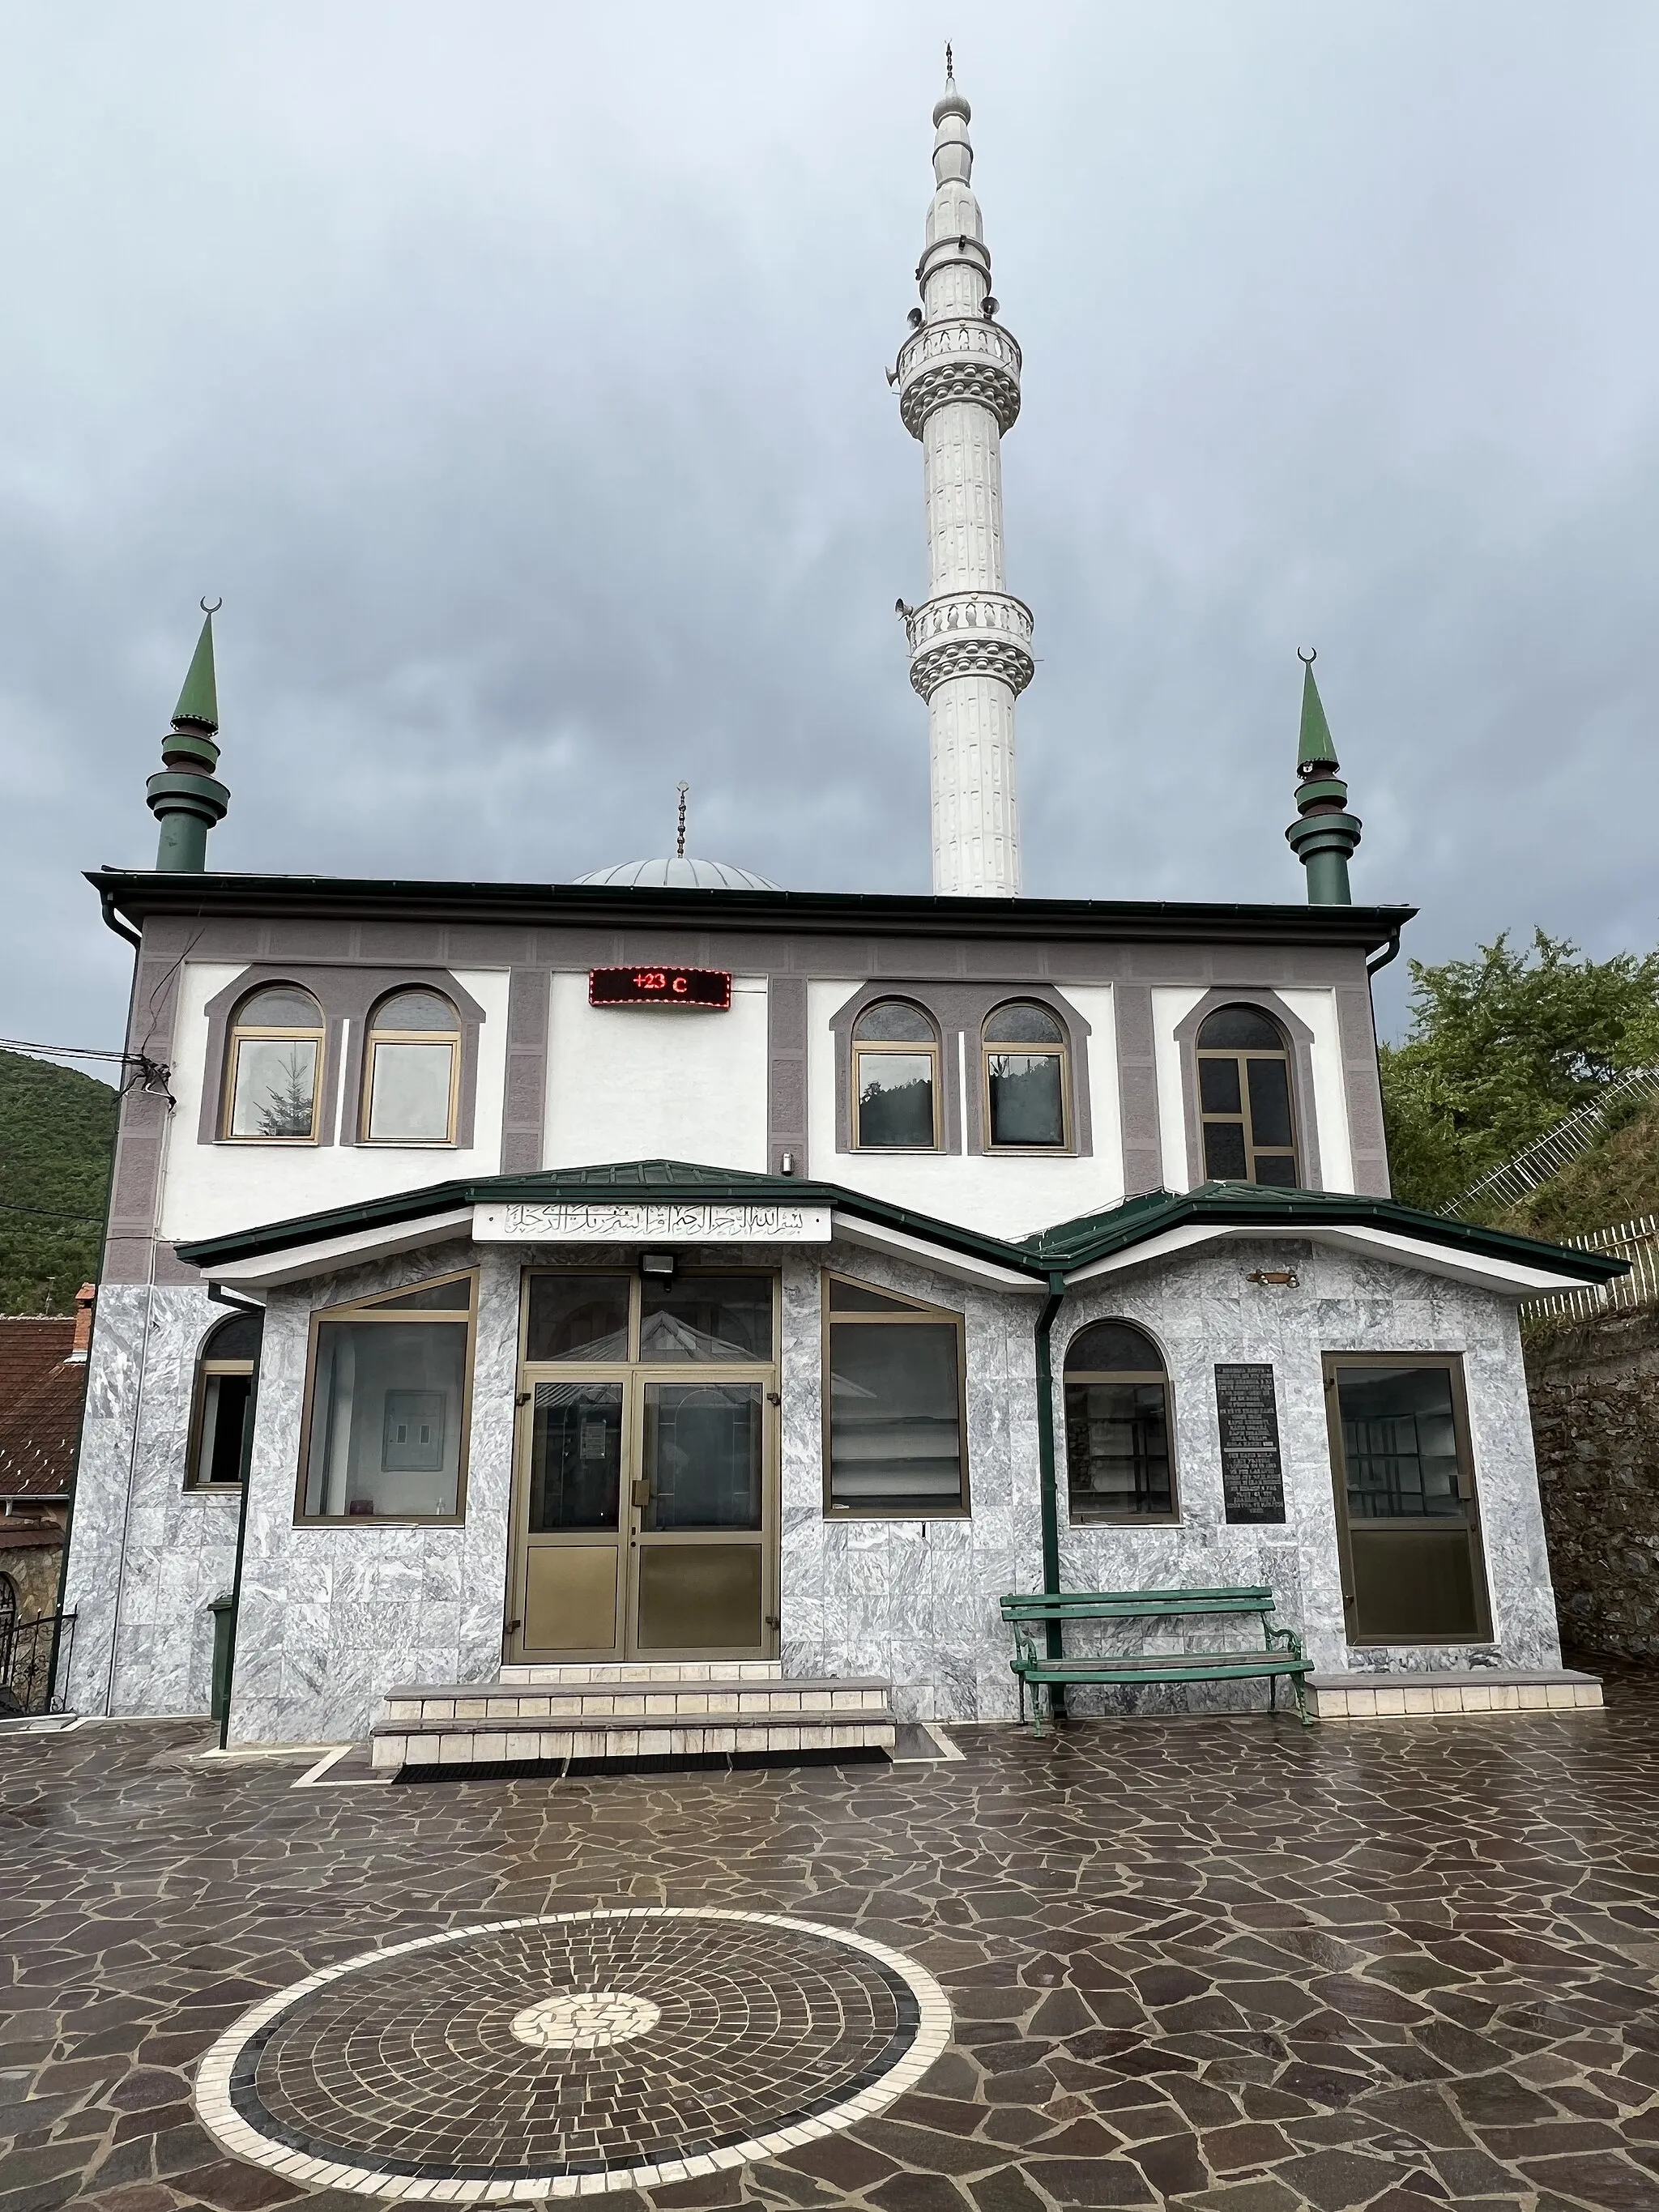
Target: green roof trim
x=1059, y=1250
x=642, y=1182
x=1094, y=1236
x=199, y=703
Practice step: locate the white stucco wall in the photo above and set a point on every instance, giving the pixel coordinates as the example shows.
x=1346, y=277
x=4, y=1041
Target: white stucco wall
x=653, y=1082
x=209, y=1189
x=1318, y=1010
x=1003, y=1194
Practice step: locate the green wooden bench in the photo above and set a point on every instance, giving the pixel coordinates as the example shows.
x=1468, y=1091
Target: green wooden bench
x=1025, y=1612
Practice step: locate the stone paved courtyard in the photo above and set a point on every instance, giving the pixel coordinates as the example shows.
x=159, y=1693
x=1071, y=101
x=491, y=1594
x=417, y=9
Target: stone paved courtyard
x=1201, y=1963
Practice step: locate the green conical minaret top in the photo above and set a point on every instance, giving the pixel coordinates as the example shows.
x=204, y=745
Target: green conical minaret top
x=199, y=703
x=185, y=799
x=1324, y=833
x=1315, y=748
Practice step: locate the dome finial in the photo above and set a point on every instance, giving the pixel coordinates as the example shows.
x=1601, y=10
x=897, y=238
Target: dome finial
x=679, y=842
x=950, y=64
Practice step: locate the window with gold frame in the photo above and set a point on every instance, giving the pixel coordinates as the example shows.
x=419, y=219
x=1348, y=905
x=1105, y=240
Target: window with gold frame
x=221, y=1402
x=411, y=1079
x=1244, y=1099
x=896, y=1078
x=388, y=1395
x=1027, y=1091
x=895, y=1404
x=274, y=1068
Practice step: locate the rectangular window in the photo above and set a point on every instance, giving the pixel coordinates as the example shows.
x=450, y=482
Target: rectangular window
x=411, y=1092
x=225, y=1399
x=706, y=1317
x=387, y=1398
x=575, y=1456
x=1027, y=1094
x=894, y=1416
x=578, y=1317
x=274, y=1088
x=895, y=1095
x=1117, y=1450
x=1413, y=1570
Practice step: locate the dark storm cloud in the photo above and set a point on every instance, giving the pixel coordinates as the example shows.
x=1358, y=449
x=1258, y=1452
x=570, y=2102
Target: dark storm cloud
x=515, y=374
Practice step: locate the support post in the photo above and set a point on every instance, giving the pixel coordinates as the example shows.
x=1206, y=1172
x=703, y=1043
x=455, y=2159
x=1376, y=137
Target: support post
x=1047, y=1493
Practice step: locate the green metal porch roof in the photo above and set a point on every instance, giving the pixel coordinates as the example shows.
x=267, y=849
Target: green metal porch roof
x=1059, y=1250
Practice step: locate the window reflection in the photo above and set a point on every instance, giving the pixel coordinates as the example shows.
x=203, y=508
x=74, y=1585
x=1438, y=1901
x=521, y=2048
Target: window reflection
x=578, y=1317
x=575, y=1456
x=706, y=1317
x=702, y=1455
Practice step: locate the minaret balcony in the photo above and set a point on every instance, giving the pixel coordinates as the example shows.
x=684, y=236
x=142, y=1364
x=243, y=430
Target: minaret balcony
x=959, y=357
x=969, y=633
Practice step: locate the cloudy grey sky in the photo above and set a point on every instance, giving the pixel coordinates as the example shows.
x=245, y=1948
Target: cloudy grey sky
x=515, y=372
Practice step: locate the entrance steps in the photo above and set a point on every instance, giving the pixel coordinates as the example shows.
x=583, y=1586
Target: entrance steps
x=618, y=1713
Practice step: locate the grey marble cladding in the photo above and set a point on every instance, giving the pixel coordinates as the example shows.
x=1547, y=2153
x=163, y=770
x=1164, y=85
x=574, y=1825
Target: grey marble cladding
x=331, y=1617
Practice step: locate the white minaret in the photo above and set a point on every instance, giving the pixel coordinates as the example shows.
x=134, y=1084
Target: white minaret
x=958, y=380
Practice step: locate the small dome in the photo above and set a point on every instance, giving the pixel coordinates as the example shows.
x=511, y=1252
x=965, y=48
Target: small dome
x=681, y=874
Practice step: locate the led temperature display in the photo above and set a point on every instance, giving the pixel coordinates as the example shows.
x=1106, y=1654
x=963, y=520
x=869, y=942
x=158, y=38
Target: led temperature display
x=709, y=988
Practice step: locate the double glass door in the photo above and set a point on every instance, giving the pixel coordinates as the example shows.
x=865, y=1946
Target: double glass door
x=645, y=1477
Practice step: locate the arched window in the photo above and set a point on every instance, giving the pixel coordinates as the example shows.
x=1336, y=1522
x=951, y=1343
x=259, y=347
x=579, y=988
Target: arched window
x=1244, y=1099
x=895, y=1078
x=274, y=1078
x=1026, y=1090
x=413, y=1075
x=1118, y=1462
x=225, y=1369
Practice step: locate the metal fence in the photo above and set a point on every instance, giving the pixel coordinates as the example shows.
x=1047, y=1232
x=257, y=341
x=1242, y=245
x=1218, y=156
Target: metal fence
x=1635, y=1241
x=1557, y=1148
x=27, y=1649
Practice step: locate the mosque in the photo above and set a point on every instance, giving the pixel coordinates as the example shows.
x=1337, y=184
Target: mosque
x=519, y=1292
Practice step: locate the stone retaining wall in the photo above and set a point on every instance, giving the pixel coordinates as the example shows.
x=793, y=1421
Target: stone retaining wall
x=1595, y=1392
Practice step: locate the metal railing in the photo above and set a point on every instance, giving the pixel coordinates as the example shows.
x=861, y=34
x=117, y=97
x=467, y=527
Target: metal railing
x=1635, y=1241
x=27, y=1674
x=1557, y=1148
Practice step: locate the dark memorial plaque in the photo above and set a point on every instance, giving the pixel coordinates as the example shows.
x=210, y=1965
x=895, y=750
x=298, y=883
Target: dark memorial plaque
x=1252, y=1476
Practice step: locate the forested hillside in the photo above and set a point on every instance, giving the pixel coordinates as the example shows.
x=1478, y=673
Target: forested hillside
x=56, y=1131
x=1502, y=1049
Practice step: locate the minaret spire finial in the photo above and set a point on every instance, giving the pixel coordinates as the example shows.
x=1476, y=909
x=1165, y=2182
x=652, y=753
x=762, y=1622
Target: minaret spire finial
x=185, y=799
x=958, y=378
x=679, y=846
x=1324, y=834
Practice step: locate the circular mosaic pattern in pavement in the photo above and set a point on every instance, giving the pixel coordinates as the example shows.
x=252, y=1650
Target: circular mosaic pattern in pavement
x=571, y=2054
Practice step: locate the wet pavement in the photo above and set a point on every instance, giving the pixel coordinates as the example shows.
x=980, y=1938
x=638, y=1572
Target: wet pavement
x=1194, y=1962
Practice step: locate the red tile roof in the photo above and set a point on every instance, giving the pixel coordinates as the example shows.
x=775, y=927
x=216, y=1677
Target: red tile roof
x=41, y=1393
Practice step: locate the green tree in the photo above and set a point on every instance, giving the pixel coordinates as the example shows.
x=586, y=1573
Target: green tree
x=56, y=1131
x=1501, y=1047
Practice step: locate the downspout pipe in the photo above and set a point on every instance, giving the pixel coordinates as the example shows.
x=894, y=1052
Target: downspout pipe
x=241, y=1305
x=1046, y=1493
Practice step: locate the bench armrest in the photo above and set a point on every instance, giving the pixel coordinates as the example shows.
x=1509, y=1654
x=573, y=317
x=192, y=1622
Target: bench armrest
x=1025, y=1650
x=1285, y=1639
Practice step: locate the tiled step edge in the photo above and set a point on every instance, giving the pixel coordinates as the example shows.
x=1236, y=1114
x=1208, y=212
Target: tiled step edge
x=474, y=1701
x=1430, y=1696
x=439, y=1744
x=645, y=1670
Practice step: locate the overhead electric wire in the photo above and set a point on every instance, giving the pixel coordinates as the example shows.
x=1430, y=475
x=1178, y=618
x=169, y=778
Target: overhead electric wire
x=63, y=1051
